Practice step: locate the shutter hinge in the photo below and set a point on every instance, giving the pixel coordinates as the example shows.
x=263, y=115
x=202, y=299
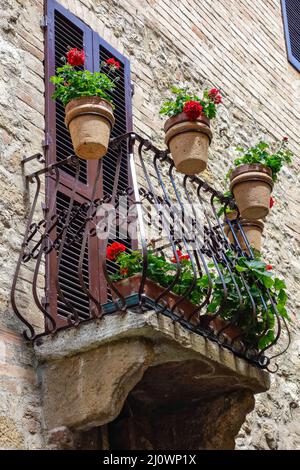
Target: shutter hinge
x=44, y=22
x=132, y=89
x=46, y=142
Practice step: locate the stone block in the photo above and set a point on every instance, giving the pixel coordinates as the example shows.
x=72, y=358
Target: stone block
x=89, y=389
x=10, y=435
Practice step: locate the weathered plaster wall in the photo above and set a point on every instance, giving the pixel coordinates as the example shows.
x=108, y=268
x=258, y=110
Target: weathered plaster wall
x=235, y=44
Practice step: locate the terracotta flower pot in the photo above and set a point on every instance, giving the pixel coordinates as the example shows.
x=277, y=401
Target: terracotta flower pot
x=188, y=142
x=89, y=120
x=217, y=324
x=152, y=290
x=253, y=231
x=252, y=186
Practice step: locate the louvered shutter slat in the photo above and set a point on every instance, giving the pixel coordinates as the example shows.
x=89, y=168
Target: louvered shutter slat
x=118, y=96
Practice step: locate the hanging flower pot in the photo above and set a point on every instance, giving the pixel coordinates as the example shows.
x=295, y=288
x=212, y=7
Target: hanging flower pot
x=253, y=230
x=188, y=142
x=251, y=182
x=187, y=130
x=251, y=186
x=228, y=331
x=89, y=120
x=88, y=106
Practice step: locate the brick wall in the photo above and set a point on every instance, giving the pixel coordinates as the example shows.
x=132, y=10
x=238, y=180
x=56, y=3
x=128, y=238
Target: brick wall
x=235, y=44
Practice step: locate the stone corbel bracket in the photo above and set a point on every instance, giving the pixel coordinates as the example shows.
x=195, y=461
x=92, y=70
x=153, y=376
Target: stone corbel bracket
x=87, y=373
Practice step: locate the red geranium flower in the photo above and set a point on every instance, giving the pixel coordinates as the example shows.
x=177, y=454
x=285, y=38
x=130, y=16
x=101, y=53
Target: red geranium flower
x=114, y=250
x=192, y=109
x=213, y=92
x=285, y=139
x=215, y=95
x=180, y=256
x=75, y=57
x=269, y=267
x=113, y=63
x=272, y=202
x=218, y=99
x=179, y=253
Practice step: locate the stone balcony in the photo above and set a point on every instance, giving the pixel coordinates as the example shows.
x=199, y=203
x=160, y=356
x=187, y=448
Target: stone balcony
x=145, y=368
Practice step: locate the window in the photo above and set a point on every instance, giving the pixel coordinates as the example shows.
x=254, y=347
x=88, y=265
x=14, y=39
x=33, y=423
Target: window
x=64, y=31
x=291, y=18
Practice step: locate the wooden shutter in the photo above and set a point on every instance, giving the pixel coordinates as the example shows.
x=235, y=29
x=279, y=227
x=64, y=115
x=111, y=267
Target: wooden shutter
x=65, y=31
x=291, y=18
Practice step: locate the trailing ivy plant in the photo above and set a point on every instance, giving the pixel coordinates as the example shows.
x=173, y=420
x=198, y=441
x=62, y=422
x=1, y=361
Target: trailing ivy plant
x=272, y=156
x=255, y=274
x=191, y=104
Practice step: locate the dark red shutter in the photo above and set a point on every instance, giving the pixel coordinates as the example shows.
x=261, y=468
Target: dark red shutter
x=291, y=17
x=65, y=31
x=123, y=115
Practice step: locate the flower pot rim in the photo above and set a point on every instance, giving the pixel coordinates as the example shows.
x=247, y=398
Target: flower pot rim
x=136, y=275
x=157, y=290
x=249, y=223
x=88, y=100
x=85, y=105
x=153, y=284
x=230, y=331
x=250, y=167
x=182, y=117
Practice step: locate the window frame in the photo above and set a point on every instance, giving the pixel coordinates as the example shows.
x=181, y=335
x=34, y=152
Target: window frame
x=291, y=58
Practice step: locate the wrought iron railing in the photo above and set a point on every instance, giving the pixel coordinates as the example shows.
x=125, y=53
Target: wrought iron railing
x=181, y=213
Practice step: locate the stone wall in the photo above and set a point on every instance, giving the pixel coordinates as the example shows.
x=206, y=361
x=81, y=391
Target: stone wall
x=235, y=44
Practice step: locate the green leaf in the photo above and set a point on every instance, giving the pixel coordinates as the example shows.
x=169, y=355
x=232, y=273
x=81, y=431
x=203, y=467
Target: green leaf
x=282, y=297
x=256, y=265
x=240, y=269
x=283, y=311
x=266, y=340
x=213, y=306
x=267, y=281
x=279, y=284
